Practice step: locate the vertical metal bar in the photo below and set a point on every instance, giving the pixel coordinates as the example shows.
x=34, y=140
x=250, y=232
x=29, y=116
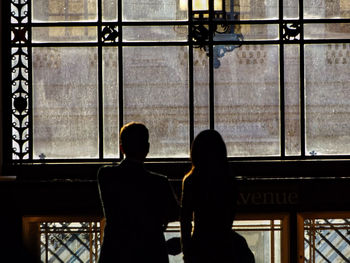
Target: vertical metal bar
x=30, y=81
x=211, y=66
x=120, y=65
x=282, y=91
x=100, y=80
x=191, y=72
x=272, y=240
x=96, y=230
x=302, y=81
x=312, y=241
x=46, y=243
x=90, y=242
x=6, y=93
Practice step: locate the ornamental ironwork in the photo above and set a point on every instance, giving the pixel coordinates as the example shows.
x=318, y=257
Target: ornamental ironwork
x=291, y=31
x=20, y=84
x=109, y=34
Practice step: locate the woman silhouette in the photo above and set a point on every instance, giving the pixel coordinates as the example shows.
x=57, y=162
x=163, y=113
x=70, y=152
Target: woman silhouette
x=208, y=199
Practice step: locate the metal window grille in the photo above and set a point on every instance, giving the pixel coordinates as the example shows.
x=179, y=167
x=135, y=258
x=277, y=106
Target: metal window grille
x=326, y=240
x=63, y=239
x=70, y=241
x=265, y=237
x=97, y=34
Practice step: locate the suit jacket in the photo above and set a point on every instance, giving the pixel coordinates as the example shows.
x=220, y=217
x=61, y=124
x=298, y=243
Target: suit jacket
x=137, y=205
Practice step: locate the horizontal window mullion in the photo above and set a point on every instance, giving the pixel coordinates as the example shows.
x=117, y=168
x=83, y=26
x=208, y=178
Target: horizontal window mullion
x=186, y=43
x=98, y=161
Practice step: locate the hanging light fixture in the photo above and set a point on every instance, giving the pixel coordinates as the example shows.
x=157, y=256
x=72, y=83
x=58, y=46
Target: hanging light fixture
x=214, y=22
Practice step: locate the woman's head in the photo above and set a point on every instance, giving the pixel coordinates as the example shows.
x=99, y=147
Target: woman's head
x=208, y=147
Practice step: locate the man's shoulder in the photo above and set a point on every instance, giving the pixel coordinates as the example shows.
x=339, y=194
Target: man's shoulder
x=107, y=170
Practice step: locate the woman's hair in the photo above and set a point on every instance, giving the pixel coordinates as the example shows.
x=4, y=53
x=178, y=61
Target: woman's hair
x=208, y=148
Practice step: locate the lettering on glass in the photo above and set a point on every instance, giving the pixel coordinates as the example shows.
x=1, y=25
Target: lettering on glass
x=267, y=198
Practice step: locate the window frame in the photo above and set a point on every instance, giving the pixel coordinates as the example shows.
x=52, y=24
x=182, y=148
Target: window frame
x=7, y=96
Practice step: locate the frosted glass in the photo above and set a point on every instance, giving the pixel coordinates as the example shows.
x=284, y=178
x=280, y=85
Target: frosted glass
x=256, y=9
x=155, y=33
x=64, y=34
x=110, y=10
x=152, y=10
x=201, y=90
x=291, y=9
x=292, y=98
x=110, y=102
x=259, y=32
x=156, y=93
x=247, y=100
x=65, y=102
x=64, y=10
x=327, y=91
x=327, y=9
x=327, y=31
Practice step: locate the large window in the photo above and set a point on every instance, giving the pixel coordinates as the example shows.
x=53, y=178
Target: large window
x=271, y=76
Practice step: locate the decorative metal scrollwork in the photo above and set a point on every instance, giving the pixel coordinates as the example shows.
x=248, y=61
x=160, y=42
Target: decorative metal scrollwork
x=109, y=33
x=19, y=35
x=20, y=80
x=19, y=11
x=200, y=37
x=200, y=34
x=291, y=31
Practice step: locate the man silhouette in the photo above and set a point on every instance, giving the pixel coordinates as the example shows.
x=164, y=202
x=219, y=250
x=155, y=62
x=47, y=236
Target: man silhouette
x=137, y=204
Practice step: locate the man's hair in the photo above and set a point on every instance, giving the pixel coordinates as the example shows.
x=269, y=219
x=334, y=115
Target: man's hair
x=134, y=138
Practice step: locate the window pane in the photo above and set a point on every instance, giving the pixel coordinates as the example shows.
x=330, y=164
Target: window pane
x=327, y=31
x=201, y=90
x=156, y=93
x=111, y=102
x=327, y=9
x=247, y=100
x=259, y=32
x=64, y=34
x=327, y=99
x=152, y=10
x=65, y=102
x=290, y=9
x=155, y=33
x=256, y=9
x=292, y=105
x=110, y=10
x=64, y=10
x=263, y=238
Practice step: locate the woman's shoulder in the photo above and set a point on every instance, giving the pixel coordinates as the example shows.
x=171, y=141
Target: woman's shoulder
x=188, y=178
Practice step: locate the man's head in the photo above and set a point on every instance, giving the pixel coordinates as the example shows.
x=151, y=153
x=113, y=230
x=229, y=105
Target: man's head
x=134, y=140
